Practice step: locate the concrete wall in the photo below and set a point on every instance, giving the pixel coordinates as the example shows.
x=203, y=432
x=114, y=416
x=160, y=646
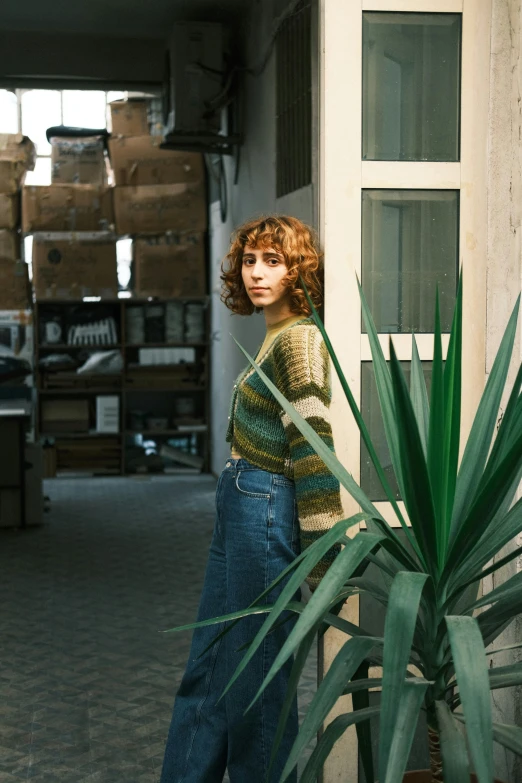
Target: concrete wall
x=504, y=273
x=254, y=194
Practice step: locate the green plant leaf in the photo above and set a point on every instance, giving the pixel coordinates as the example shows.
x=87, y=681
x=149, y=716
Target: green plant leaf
x=505, y=428
x=320, y=547
x=306, y=554
x=371, y=587
x=292, y=606
x=452, y=402
x=454, y=754
x=471, y=671
x=508, y=736
x=331, y=734
x=321, y=449
x=417, y=492
x=406, y=718
x=488, y=546
x=477, y=448
x=340, y=570
x=291, y=690
x=419, y=397
x=511, y=587
x=436, y=436
x=401, y=617
x=505, y=676
x=384, y=389
x=360, y=423
x=486, y=505
x=361, y=701
x=362, y=685
x=504, y=649
x=342, y=668
x=331, y=462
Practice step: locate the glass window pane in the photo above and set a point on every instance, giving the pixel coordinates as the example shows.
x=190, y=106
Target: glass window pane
x=371, y=414
x=8, y=112
x=409, y=247
x=41, y=109
x=411, y=86
x=41, y=175
x=84, y=108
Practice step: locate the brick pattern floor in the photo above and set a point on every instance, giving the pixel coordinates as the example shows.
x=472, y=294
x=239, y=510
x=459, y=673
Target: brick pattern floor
x=87, y=680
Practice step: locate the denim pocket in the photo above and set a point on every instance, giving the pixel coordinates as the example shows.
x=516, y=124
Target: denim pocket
x=254, y=480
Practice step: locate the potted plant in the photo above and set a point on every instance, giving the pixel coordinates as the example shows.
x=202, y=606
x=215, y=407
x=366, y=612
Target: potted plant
x=436, y=648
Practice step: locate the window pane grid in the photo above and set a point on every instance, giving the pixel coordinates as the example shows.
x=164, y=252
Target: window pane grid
x=410, y=248
x=294, y=101
x=411, y=86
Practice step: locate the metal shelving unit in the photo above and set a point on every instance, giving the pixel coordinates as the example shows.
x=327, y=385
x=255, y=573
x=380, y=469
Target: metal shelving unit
x=159, y=398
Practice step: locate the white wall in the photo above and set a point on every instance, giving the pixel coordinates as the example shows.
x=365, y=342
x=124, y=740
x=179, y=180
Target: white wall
x=504, y=282
x=254, y=195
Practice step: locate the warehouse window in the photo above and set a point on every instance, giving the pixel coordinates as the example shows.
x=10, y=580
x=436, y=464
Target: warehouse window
x=294, y=101
x=32, y=112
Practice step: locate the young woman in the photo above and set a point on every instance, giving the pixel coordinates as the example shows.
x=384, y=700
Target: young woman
x=274, y=497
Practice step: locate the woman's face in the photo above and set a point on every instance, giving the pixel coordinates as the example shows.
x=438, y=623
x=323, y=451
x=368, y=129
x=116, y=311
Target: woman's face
x=264, y=271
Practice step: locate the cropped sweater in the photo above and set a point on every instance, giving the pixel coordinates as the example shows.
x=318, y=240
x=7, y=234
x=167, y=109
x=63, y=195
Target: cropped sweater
x=259, y=430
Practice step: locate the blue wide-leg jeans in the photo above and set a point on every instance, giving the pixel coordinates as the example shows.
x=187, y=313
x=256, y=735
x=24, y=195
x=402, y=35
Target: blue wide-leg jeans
x=256, y=535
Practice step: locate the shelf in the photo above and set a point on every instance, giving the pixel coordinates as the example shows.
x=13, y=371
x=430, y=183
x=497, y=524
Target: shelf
x=88, y=390
x=166, y=345
x=75, y=302
x=77, y=435
x=63, y=347
x=169, y=389
x=169, y=433
x=152, y=300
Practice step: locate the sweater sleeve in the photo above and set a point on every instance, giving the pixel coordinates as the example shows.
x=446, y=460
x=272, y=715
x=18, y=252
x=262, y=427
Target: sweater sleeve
x=302, y=374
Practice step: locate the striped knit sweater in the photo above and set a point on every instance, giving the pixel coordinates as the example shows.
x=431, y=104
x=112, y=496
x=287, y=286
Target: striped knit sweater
x=298, y=364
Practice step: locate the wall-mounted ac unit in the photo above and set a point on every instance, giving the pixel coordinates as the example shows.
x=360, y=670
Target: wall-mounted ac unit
x=196, y=78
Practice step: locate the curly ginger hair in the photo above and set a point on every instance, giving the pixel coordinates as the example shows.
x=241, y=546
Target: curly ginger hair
x=299, y=246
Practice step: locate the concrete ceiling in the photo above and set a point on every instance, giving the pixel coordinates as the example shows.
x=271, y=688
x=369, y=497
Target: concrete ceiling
x=114, y=18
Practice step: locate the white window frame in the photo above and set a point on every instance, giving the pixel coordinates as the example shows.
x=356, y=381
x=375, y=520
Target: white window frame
x=343, y=176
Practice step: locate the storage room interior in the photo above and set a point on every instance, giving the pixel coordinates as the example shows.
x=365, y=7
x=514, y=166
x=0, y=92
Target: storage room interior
x=133, y=138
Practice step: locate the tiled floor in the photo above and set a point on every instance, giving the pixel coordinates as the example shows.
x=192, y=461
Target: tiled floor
x=87, y=680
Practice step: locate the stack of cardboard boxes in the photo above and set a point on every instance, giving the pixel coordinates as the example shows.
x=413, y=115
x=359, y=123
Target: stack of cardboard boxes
x=74, y=247
x=17, y=156
x=159, y=199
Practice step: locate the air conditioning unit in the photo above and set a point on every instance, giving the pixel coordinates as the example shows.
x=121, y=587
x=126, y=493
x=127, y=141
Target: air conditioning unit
x=197, y=71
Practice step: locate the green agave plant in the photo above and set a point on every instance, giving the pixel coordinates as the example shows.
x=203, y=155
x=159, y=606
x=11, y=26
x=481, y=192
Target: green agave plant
x=461, y=519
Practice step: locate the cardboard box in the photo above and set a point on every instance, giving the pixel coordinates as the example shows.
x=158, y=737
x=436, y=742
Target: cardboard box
x=76, y=161
x=17, y=156
x=9, y=245
x=74, y=268
x=9, y=210
x=138, y=160
x=15, y=290
x=156, y=209
x=170, y=265
x=66, y=208
x=64, y=416
x=129, y=117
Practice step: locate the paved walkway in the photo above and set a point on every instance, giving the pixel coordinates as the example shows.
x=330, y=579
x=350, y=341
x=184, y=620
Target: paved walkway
x=87, y=681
